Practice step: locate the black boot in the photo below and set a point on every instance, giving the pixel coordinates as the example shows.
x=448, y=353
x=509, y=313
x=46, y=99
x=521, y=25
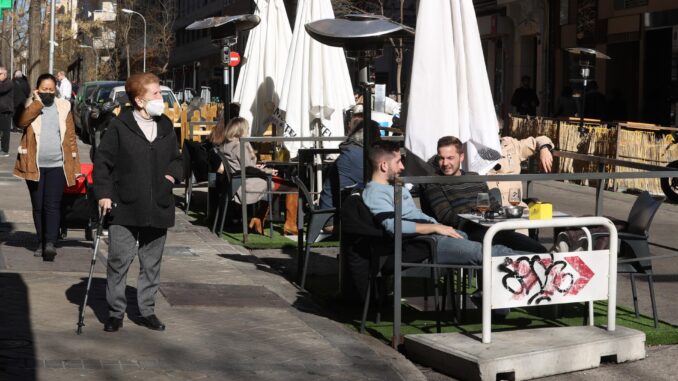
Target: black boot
x=49, y=252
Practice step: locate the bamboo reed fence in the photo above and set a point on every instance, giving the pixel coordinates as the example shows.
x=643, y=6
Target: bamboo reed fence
x=640, y=143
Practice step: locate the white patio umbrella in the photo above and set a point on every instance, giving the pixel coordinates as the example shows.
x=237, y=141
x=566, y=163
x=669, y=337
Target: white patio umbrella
x=263, y=68
x=449, y=91
x=317, y=86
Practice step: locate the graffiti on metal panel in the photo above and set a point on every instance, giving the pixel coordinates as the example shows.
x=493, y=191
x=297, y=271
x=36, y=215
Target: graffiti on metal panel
x=539, y=278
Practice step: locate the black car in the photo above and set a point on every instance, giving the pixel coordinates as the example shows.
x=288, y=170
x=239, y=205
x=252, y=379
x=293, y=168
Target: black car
x=98, y=96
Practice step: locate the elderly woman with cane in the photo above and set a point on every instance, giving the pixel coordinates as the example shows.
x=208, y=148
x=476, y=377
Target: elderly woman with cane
x=135, y=168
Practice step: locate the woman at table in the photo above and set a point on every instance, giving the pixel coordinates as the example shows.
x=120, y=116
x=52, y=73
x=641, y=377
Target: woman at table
x=226, y=137
x=48, y=159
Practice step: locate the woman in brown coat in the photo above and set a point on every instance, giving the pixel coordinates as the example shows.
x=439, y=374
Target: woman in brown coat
x=48, y=159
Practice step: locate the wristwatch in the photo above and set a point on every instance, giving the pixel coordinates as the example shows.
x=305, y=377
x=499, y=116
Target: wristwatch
x=550, y=147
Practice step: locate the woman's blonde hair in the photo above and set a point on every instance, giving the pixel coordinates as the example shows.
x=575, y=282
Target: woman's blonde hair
x=236, y=128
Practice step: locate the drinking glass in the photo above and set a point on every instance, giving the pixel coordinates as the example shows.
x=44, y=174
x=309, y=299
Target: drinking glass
x=514, y=196
x=483, y=205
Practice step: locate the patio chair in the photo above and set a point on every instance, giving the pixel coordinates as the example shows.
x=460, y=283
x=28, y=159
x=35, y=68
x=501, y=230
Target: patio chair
x=227, y=184
x=195, y=169
x=634, y=251
x=317, y=218
x=369, y=255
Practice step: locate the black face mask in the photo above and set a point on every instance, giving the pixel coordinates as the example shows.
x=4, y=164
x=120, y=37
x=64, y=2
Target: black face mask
x=47, y=98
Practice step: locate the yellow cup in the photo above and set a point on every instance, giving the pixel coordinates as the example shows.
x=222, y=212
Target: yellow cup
x=541, y=211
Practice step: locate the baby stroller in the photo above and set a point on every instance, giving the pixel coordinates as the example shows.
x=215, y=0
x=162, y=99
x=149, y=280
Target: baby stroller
x=78, y=206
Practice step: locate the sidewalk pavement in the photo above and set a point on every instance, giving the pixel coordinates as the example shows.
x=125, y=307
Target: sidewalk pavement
x=227, y=316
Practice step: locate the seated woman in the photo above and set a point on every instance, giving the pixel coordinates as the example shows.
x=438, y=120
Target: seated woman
x=227, y=140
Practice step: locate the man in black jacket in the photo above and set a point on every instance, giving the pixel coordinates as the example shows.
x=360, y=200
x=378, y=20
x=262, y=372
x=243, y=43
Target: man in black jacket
x=22, y=90
x=6, y=110
x=135, y=167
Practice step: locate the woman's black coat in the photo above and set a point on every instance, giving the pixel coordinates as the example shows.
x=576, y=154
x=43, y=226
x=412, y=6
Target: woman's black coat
x=131, y=171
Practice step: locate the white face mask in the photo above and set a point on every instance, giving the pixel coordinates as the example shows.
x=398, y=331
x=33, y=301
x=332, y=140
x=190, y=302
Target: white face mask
x=155, y=107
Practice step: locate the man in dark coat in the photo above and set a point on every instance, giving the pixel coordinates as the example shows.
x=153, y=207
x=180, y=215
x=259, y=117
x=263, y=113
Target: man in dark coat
x=135, y=168
x=6, y=110
x=22, y=90
x=525, y=99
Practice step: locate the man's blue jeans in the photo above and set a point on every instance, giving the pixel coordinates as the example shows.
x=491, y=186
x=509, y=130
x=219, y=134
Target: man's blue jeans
x=455, y=251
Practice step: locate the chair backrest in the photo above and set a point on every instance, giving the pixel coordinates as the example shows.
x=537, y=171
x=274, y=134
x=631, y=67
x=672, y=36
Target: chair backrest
x=197, y=155
x=305, y=194
x=641, y=214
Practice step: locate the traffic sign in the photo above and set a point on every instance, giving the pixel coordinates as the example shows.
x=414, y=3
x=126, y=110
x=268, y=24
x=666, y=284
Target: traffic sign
x=234, y=59
x=6, y=4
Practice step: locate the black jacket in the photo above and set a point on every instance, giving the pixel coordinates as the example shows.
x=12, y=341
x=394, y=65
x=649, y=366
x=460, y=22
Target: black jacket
x=131, y=171
x=6, y=96
x=22, y=90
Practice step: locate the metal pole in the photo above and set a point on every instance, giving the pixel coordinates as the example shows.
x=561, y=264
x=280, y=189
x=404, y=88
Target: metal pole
x=11, y=45
x=51, y=37
x=367, y=118
x=243, y=190
x=398, y=258
x=96, y=64
x=143, y=18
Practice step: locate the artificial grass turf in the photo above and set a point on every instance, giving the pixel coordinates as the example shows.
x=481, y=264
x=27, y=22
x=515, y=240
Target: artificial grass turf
x=278, y=241
x=418, y=322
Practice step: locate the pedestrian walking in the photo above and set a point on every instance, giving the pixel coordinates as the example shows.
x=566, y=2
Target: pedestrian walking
x=48, y=159
x=22, y=91
x=65, y=86
x=135, y=167
x=6, y=110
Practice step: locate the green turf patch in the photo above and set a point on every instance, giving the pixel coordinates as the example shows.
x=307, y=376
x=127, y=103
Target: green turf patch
x=278, y=241
x=418, y=322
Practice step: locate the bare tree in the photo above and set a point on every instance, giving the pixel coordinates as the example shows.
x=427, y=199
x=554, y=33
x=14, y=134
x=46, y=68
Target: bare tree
x=34, y=26
x=161, y=19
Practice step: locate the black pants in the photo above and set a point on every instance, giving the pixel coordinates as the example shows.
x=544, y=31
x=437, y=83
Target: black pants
x=46, y=200
x=508, y=238
x=5, y=127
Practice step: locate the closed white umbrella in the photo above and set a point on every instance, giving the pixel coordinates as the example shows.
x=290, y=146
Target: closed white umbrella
x=263, y=68
x=449, y=91
x=317, y=87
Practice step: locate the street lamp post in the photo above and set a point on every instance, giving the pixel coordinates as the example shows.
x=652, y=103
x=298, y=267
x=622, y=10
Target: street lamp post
x=129, y=11
x=96, y=60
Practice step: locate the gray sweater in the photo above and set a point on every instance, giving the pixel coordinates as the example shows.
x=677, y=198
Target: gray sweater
x=379, y=200
x=50, y=154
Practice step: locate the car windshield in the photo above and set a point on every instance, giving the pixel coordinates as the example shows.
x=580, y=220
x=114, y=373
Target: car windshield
x=121, y=97
x=104, y=93
x=168, y=98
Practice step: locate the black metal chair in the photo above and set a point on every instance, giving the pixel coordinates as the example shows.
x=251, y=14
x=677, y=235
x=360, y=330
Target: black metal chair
x=317, y=218
x=369, y=253
x=226, y=185
x=195, y=169
x=634, y=251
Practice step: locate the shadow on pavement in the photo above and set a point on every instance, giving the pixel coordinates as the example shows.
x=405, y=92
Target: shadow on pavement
x=97, y=299
x=17, y=352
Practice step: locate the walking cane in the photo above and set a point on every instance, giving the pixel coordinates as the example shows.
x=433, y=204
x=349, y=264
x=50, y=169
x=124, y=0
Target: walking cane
x=100, y=228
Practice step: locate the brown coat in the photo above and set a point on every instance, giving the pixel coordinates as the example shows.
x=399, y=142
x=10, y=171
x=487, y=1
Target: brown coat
x=30, y=121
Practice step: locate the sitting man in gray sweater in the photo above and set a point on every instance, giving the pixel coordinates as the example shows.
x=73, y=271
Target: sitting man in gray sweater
x=453, y=246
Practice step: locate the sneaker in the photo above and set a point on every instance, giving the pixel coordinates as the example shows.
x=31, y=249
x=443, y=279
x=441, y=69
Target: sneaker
x=4, y=154
x=38, y=252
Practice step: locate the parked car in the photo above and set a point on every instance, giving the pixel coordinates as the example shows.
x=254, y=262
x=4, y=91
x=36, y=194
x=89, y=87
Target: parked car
x=85, y=91
x=102, y=113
